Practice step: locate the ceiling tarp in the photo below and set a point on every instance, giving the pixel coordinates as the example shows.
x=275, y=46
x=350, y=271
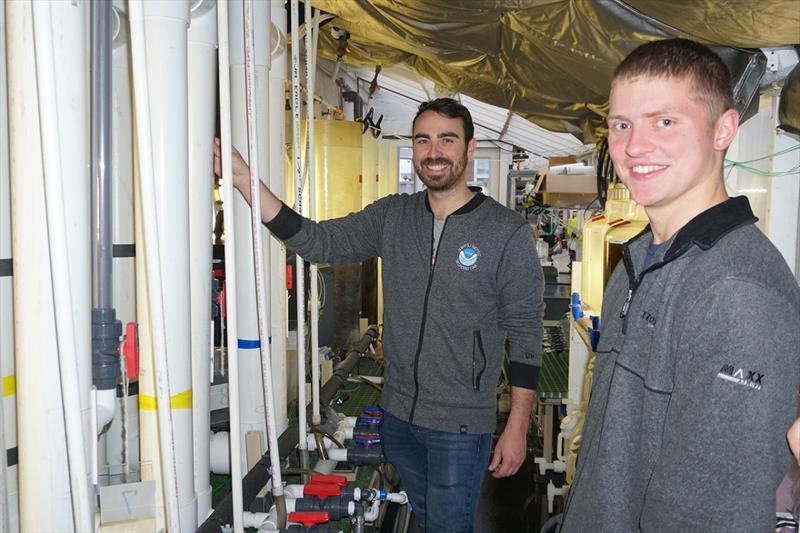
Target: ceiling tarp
x=548, y=61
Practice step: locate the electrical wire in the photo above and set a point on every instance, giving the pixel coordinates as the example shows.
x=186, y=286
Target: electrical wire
x=744, y=165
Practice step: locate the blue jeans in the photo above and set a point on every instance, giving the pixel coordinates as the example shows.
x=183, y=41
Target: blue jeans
x=441, y=472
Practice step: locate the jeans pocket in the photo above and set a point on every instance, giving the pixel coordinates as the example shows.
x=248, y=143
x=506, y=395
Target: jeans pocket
x=478, y=359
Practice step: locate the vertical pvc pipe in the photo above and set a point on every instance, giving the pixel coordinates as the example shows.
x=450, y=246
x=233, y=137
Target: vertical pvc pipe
x=42, y=448
x=106, y=330
x=202, y=94
x=153, y=255
x=250, y=380
x=101, y=155
x=299, y=263
x=230, y=267
x=311, y=32
x=122, y=437
x=258, y=257
x=8, y=439
x=60, y=268
x=277, y=184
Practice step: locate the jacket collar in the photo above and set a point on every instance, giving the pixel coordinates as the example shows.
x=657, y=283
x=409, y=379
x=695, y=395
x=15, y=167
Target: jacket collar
x=704, y=230
x=468, y=207
x=711, y=225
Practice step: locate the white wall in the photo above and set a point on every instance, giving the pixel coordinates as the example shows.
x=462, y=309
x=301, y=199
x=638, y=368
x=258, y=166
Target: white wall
x=775, y=199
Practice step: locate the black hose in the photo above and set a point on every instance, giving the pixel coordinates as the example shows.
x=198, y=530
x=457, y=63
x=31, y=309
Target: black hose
x=258, y=476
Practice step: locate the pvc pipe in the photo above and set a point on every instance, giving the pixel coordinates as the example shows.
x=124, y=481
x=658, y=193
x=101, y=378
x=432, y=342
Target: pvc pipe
x=255, y=195
x=41, y=432
x=230, y=267
x=166, y=39
x=153, y=255
x=219, y=453
x=121, y=439
x=277, y=184
x=105, y=407
x=251, y=388
x=258, y=257
x=202, y=41
x=7, y=412
x=374, y=511
x=82, y=509
x=311, y=31
x=101, y=155
x=258, y=476
x=299, y=263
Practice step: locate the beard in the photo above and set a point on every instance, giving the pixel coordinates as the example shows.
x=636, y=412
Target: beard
x=442, y=182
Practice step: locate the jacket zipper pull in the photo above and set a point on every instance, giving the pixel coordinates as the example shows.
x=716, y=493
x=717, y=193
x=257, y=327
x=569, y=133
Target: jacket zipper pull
x=626, y=305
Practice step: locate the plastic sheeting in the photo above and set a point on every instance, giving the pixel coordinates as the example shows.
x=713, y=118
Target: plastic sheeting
x=549, y=61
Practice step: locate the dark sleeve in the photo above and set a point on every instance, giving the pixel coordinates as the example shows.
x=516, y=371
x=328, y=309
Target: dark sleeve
x=520, y=307
x=337, y=241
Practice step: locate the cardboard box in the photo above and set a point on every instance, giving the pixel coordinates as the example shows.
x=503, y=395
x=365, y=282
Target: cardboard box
x=571, y=183
x=555, y=161
x=557, y=199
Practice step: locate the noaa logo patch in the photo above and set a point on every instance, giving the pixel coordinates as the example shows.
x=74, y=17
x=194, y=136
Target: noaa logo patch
x=468, y=257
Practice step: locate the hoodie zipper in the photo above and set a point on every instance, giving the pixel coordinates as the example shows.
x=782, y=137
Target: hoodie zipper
x=434, y=257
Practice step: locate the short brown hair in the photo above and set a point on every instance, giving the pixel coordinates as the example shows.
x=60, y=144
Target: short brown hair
x=447, y=107
x=682, y=58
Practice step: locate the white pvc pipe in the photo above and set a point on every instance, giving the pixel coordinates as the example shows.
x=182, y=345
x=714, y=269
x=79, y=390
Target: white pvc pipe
x=255, y=195
x=299, y=263
x=372, y=513
x=7, y=411
x=6, y=324
x=118, y=447
x=251, y=388
x=277, y=184
x=311, y=31
x=148, y=187
x=230, y=266
x=41, y=432
x=202, y=41
x=219, y=451
x=59, y=265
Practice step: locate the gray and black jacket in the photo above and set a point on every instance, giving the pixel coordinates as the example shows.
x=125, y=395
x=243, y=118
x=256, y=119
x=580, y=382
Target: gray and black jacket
x=444, y=322
x=695, y=384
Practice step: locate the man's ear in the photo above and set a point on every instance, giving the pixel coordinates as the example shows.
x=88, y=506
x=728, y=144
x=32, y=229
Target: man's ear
x=471, y=146
x=725, y=129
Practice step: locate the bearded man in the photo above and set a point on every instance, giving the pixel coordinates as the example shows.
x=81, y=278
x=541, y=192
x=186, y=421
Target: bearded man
x=460, y=275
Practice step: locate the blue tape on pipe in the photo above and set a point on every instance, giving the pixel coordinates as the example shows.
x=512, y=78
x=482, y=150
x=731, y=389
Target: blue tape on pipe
x=247, y=344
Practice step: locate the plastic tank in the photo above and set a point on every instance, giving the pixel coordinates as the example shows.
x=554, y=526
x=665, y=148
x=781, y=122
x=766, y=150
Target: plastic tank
x=369, y=169
x=387, y=169
x=603, y=236
x=338, y=148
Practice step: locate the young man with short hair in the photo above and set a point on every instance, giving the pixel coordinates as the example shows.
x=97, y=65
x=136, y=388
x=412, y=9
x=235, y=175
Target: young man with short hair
x=460, y=272
x=697, y=362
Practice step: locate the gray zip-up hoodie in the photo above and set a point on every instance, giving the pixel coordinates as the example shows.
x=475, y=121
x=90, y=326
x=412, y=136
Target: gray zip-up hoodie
x=444, y=322
x=694, y=385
